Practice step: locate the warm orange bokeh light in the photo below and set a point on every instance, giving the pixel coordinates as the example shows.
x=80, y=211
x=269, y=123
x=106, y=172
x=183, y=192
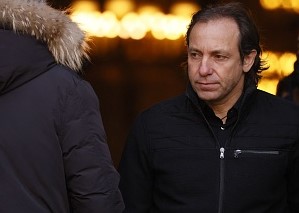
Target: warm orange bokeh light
x=123, y=22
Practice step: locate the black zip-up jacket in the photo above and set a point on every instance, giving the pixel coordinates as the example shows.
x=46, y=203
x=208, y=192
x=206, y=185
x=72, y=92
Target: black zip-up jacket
x=174, y=163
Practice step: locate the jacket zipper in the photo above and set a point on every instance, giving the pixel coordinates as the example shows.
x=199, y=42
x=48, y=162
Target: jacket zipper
x=221, y=184
x=239, y=152
x=221, y=156
x=222, y=150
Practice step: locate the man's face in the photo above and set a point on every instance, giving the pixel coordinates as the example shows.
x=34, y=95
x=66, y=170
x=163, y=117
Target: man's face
x=215, y=69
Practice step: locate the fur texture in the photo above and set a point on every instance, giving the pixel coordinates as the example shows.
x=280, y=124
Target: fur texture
x=65, y=40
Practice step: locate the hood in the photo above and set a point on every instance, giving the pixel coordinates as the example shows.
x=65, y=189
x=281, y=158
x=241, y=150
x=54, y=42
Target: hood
x=64, y=39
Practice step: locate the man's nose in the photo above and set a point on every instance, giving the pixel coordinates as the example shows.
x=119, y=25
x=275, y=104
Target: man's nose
x=204, y=68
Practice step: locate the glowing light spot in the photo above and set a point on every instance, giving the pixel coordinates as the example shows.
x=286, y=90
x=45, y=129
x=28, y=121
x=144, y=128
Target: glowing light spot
x=286, y=61
x=268, y=85
x=132, y=24
x=271, y=4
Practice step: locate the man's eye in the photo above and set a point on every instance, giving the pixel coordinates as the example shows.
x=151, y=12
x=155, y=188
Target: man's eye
x=220, y=57
x=194, y=54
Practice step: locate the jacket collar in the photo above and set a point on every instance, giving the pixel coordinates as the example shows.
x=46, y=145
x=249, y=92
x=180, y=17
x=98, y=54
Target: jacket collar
x=242, y=104
x=22, y=59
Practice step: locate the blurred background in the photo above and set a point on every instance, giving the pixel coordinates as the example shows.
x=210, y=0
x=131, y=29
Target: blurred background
x=138, y=46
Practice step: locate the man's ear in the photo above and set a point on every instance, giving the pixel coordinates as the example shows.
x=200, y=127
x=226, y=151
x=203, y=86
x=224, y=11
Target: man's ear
x=249, y=60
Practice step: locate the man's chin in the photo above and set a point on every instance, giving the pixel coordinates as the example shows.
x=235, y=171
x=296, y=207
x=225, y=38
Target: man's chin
x=207, y=96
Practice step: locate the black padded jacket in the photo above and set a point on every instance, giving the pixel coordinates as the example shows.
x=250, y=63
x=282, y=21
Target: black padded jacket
x=173, y=163
x=54, y=155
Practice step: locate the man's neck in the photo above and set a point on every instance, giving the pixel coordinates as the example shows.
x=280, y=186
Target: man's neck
x=221, y=108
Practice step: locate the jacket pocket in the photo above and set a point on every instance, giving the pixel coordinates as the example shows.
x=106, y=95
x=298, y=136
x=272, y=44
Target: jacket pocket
x=241, y=152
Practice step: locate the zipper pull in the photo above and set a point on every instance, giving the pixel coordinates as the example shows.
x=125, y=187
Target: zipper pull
x=237, y=152
x=222, y=152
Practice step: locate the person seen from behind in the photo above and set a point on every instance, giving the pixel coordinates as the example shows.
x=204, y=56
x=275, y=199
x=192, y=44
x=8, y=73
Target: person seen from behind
x=53, y=151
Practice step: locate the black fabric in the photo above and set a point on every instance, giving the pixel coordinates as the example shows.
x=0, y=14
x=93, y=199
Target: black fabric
x=22, y=59
x=172, y=160
x=53, y=151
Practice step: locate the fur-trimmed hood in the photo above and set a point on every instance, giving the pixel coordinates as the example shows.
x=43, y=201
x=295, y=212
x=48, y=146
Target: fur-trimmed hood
x=65, y=40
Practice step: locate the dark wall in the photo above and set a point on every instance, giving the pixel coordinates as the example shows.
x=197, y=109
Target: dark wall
x=131, y=75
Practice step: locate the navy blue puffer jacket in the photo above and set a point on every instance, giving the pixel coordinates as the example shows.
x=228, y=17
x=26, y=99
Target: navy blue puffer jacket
x=53, y=151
